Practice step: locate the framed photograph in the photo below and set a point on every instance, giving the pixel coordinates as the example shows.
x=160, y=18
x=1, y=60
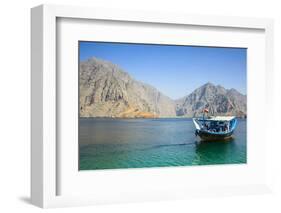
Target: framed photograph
x=129, y=123
x=130, y=106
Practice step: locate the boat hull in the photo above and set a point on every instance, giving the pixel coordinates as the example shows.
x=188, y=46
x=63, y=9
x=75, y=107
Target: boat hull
x=207, y=136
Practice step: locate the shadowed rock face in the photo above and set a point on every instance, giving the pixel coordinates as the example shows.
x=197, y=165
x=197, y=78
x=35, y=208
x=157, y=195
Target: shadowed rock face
x=217, y=99
x=107, y=91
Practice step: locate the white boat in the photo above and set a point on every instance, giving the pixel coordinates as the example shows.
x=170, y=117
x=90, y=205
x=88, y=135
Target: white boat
x=215, y=127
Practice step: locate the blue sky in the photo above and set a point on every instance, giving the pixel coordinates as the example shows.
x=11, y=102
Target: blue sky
x=174, y=70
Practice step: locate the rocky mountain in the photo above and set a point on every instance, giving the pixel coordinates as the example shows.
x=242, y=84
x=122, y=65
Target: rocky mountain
x=107, y=91
x=217, y=99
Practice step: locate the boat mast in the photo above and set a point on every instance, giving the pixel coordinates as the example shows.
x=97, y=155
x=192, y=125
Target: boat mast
x=205, y=111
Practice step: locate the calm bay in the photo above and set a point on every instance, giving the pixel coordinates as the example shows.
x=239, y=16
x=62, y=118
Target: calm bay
x=106, y=143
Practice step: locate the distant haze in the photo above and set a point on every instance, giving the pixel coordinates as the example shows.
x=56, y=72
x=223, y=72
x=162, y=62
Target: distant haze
x=174, y=70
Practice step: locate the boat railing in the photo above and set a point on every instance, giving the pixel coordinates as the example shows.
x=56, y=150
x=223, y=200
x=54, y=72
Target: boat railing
x=225, y=127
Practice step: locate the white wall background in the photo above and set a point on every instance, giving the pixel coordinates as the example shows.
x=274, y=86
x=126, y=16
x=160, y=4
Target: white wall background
x=15, y=99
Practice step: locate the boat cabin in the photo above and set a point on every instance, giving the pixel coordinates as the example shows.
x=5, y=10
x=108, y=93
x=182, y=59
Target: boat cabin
x=216, y=124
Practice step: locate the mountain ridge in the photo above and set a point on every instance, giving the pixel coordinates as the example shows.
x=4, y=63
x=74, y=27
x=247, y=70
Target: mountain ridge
x=106, y=90
x=217, y=99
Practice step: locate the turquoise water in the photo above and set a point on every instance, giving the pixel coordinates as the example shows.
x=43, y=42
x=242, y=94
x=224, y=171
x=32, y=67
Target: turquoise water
x=139, y=143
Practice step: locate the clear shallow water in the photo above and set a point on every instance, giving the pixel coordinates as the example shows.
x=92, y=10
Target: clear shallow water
x=139, y=143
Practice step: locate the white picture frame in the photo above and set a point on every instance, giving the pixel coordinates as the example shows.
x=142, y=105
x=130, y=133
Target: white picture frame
x=45, y=168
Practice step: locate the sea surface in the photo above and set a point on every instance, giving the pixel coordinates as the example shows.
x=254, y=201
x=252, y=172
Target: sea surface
x=140, y=143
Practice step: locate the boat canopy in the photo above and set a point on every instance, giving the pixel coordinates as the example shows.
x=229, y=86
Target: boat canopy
x=220, y=118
